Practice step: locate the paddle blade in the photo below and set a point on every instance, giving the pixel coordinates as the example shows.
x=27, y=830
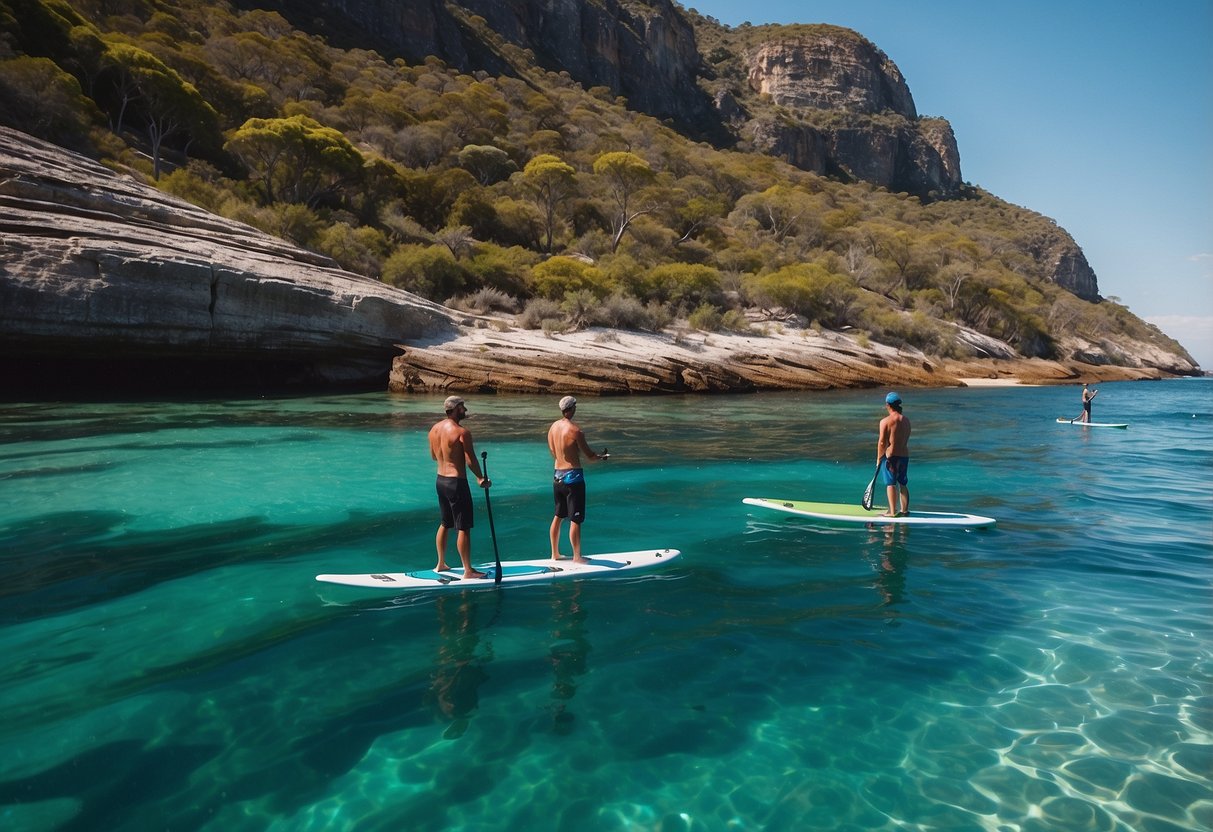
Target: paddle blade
x=867, y=494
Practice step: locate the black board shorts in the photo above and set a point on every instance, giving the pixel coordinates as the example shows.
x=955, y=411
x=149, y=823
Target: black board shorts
x=455, y=502
x=569, y=498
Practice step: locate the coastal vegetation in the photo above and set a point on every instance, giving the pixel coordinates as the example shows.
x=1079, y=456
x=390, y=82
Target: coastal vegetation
x=521, y=192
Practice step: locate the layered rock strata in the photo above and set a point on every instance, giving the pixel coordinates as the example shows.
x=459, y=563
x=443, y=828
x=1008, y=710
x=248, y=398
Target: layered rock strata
x=488, y=357
x=101, y=272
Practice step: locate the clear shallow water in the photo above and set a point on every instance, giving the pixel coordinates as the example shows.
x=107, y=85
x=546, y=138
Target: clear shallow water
x=170, y=663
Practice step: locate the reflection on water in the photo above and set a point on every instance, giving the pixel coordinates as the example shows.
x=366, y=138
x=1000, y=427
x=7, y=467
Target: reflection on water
x=890, y=561
x=568, y=651
x=459, y=671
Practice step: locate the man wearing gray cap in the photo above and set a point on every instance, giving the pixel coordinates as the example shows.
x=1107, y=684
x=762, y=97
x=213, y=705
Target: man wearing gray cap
x=567, y=442
x=451, y=447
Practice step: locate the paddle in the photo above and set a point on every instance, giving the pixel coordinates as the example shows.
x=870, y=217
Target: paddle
x=488, y=504
x=867, y=494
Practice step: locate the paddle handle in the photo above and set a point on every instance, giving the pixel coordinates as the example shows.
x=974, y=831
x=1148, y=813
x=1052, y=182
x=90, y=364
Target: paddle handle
x=488, y=505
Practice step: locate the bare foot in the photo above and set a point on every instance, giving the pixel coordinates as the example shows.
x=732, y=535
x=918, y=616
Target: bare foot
x=579, y=559
x=557, y=557
x=472, y=573
x=442, y=567
x=888, y=514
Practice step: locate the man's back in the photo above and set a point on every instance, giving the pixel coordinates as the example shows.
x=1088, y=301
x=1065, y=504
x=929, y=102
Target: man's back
x=895, y=433
x=447, y=448
x=564, y=440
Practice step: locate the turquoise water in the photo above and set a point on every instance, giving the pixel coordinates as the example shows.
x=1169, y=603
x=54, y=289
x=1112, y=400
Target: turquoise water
x=170, y=663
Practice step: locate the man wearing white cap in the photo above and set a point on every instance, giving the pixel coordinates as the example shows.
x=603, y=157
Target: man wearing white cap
x=893, y=456
x=451, y=447
x=567, y=442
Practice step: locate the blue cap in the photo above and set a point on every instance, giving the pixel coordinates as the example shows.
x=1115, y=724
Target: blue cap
x=892, y=398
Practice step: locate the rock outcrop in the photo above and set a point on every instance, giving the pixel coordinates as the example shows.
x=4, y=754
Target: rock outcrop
x=491, y=357
x=827, y=68
x=102, y=274
x=873, y=132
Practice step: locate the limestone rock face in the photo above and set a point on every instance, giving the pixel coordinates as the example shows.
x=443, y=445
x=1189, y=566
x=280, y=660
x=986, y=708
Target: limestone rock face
x=874, y=133
x=96, y=267
x=829, y=70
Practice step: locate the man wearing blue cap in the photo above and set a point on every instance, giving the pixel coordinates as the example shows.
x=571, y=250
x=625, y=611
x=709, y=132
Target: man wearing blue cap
x=893, y=456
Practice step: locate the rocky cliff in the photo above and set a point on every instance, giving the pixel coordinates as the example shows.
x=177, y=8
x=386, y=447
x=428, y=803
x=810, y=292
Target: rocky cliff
x=648, y=52
x=842, y=108
x=107, y=282
x=644, y=50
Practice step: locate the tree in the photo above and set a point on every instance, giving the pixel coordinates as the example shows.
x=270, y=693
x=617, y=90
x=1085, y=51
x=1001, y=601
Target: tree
x=552, y=180
x=40, y=98
x=487, y=163
x=295, y=159
x=625, y=173
x=168, y=105
x=783, y=211
x=808, y=289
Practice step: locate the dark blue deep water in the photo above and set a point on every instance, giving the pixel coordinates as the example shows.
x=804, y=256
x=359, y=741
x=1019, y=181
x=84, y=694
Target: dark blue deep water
x=170, y=663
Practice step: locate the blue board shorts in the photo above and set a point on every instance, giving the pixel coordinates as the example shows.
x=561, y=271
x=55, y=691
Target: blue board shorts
x=568, y=492
x=896, y=470
x=455, y=502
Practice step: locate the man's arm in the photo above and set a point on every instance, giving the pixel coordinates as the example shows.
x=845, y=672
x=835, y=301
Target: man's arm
x=469, y=454
x=882, y=441
x=585, y=447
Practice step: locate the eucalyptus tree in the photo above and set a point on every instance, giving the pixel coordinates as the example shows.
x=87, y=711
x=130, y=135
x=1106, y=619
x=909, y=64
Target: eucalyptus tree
x=295, y=159
x=551, y=180
x=625, y=174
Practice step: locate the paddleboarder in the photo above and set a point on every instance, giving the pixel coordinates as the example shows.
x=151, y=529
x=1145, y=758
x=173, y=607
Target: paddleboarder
x=567, y=443
x=893, y=455
x=1087, y=395
x=451, y=447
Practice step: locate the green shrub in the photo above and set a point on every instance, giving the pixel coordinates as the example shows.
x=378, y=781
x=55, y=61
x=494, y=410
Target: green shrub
x=429, y=271
x=705, y=318
x=505, y=270
x=558, y=276
x=683, y=284
x=539, y=310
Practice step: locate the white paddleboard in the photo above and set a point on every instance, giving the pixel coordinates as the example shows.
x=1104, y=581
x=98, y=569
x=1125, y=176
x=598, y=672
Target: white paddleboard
x=1092, y=424
x=846, y=513
x=540, y=570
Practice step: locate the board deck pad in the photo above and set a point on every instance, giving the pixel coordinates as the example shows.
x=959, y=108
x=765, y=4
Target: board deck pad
x=1093, y=424
x=848, y=513
x=540, y=570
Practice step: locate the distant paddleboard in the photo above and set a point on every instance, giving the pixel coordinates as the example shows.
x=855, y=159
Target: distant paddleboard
x=1092, y=424
x=845, y=513
x=541, y=570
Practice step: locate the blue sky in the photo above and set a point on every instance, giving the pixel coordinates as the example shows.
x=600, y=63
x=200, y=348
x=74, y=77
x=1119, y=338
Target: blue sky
x=1096, y=113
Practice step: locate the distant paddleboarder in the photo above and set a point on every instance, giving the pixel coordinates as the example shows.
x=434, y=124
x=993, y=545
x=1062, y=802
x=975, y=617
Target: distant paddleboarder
x=893, y=455
x=1087, y=395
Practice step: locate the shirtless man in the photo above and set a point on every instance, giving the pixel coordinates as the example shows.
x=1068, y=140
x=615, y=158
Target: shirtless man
x=1087, y=395
x=893, y=455
x=567, y=443
x=451, y=447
